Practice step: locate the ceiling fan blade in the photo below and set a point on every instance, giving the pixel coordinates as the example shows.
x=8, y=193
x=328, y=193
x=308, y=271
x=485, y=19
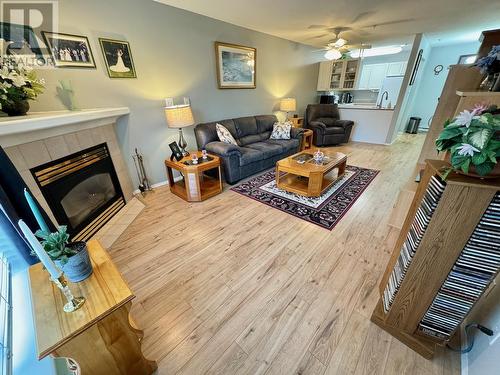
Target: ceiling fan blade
x=362, y=16
x=316, y=27
x=318, y=36
x=338, y=29
x=321, y=50
x=388, y=23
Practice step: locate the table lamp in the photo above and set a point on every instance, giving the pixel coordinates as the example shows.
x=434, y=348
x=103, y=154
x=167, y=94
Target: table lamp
x=288, y=105
x=178, y=117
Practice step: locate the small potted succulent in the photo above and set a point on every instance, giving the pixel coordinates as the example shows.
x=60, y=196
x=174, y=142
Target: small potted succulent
x=472, y=142
x=72, y=258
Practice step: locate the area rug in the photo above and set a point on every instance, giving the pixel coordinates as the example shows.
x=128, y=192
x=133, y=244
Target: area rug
x=325, y=210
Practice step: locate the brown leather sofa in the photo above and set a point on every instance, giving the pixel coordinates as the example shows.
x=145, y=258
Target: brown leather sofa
x=328, y=129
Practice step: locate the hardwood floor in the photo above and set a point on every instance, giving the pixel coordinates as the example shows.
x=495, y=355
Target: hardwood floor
x=232, y=286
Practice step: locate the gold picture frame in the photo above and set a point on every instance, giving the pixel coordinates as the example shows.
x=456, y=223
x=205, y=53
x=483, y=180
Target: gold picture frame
x=236, y=66
x=118, y=58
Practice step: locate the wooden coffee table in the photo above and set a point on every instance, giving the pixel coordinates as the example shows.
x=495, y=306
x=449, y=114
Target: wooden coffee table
x=309, y=178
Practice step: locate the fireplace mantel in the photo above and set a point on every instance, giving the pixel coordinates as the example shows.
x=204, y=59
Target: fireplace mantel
x=41, y=125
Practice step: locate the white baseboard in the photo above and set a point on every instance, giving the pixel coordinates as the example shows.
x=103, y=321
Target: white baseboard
x=158, y=184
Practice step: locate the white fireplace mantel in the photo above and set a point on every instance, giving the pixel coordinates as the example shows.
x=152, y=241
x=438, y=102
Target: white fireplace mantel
x=41, y=125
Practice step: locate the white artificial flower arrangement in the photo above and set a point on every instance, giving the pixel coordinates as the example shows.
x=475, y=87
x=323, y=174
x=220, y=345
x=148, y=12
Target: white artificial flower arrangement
x=18, y=83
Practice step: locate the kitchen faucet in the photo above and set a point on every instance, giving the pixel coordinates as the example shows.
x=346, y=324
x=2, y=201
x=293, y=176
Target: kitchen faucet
x=379, y=105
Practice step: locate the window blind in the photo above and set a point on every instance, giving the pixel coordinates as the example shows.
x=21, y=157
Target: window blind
x=5, y=317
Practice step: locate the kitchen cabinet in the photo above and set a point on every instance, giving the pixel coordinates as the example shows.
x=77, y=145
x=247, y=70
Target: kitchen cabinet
x=372, y=75
x=338, y=74
x=396, y=68
x=324, y=76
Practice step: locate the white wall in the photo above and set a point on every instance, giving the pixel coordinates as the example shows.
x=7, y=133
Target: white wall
x=426, y=96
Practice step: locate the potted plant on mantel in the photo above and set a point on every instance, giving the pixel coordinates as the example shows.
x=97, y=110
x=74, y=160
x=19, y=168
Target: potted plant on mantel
x=472, y=142
x=72, y=258
x=18, y=84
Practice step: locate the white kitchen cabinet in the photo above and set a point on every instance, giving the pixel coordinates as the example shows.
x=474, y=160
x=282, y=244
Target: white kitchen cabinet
x=324, y=76
x=377, y=75
x=372, y=75
x=396, y=68
x=364, y=77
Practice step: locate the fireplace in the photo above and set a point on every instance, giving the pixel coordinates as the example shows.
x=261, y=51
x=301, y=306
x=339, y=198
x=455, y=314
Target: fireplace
x=82, y=190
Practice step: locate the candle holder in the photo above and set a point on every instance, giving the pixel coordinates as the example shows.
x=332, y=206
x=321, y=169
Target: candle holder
x=74, y=303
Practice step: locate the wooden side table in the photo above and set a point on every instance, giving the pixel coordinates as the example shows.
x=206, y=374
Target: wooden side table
x=307, y=140
x=297, y=122
x=195, y=186
x=99, y=336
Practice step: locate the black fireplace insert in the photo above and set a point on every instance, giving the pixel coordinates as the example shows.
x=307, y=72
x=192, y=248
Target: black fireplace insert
x=82, y=190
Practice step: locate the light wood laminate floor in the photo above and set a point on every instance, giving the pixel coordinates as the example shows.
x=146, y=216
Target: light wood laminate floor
x=232, y=286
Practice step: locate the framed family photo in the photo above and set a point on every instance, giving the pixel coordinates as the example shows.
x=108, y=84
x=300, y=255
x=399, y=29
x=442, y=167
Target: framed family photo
x=69, y=51
x=236, y=66
x=118, y=58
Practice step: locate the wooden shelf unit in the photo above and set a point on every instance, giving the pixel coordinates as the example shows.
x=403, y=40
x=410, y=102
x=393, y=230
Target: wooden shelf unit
x=456, y=216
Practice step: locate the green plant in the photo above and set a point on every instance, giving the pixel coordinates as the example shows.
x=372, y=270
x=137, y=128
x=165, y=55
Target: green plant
x=472, y=138
x=55, y=244
x=18, y=82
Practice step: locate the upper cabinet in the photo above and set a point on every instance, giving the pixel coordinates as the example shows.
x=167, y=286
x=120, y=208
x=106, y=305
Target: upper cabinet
x=372, y=75
x=396, y=68
x=338, y=75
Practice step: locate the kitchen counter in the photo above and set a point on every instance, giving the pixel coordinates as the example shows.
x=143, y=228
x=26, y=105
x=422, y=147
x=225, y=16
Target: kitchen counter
x=371, y=124
x=363, y=106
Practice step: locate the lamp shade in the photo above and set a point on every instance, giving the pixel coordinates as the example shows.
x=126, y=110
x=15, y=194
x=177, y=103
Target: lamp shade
x=288, y=105
x=179, y=116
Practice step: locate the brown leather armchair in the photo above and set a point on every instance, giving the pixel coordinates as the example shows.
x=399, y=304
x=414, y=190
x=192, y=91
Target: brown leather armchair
x=328, y=129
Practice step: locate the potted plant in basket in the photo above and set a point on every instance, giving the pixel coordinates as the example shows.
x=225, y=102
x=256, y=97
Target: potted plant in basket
x=472, y=141
x=72, y=258
x=18, y=84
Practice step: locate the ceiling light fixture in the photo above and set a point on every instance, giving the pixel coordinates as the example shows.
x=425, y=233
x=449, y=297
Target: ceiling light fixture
x=376, y=51
x=333, y=54
x=340, y=43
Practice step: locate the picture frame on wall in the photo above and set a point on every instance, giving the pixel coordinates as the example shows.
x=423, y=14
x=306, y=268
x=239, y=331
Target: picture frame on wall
x=118, y=58
x=69, y=51
x=236, y=66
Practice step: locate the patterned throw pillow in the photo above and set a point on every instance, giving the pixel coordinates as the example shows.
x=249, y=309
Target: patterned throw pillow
x=281, y=130
x=224, y=135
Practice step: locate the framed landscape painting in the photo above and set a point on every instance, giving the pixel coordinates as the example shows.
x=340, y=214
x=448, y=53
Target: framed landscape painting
x=69, y=51
x=118, y=58
x=236, y=66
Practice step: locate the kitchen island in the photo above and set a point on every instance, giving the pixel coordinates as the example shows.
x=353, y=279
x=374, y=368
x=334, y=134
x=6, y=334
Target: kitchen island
x=371, y=124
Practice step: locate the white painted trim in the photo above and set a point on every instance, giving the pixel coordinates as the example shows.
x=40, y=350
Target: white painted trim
x=42, y=125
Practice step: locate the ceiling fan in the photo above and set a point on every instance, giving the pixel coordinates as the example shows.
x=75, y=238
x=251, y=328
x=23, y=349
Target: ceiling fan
x=337, y=46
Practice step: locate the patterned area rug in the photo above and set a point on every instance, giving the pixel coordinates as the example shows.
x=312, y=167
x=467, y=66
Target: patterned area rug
x=325, y=211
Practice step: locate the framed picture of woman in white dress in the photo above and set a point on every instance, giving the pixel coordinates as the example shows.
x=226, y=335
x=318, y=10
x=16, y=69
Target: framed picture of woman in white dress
x=69, y=51
x=118, y=58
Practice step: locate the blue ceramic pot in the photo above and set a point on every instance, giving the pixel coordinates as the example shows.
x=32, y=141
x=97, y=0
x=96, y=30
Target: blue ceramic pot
x=78, y=267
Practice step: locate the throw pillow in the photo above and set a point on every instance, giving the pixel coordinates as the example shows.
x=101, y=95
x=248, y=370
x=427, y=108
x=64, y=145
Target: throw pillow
x=224, y=135
x=281, y=130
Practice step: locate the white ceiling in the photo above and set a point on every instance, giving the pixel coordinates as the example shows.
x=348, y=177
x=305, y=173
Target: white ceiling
x=442, y=21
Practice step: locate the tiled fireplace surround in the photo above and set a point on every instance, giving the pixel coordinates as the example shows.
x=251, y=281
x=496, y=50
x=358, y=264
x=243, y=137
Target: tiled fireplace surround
x=71, y=139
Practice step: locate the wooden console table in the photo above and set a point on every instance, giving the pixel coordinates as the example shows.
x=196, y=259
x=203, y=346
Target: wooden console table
x=99, y=336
